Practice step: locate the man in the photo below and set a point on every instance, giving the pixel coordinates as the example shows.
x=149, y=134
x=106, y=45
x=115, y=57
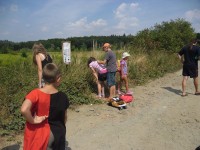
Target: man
x=189, y=56
x=110, y=61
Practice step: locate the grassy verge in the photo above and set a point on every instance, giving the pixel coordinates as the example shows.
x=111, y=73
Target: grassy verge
x=19, y=76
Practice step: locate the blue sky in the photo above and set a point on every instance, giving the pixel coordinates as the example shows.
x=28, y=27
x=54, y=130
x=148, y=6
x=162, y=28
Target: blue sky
x=30, y=20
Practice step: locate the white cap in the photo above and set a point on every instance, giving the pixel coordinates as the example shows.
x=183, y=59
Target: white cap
x=125, y=54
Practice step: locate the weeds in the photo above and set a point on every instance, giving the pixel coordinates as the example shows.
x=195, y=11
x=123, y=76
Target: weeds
x=19, y=76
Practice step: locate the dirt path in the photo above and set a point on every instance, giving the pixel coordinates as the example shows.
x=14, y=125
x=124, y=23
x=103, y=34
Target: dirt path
x=158, y=119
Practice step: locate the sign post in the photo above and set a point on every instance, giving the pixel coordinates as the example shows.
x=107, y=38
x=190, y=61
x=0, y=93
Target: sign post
x=66, y=51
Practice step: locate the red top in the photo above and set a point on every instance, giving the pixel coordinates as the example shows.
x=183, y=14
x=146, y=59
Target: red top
x=36, y=136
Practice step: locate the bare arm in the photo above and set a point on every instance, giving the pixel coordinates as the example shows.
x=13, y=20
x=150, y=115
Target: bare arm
x=94, y=73
x=26, y=112
x=101, y=62
x=180, y=58
x=39, y=65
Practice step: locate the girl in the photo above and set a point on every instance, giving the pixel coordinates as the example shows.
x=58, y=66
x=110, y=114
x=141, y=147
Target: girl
x=124, y=73
x=99, y=71
x=40, y=59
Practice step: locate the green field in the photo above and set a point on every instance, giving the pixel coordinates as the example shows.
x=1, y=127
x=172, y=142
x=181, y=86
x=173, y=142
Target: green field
x=19, y=76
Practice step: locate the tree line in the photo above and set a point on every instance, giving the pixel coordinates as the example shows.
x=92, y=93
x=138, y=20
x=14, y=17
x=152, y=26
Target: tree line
x=170, y=36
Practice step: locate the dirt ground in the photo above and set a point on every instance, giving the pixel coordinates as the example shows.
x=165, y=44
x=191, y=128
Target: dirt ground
x=158, y=119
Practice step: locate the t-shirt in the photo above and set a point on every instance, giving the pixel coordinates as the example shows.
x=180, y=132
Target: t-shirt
x=124, y=69
x=110, y=61
x=190, y=55
x=99, y=67
x=36, y=136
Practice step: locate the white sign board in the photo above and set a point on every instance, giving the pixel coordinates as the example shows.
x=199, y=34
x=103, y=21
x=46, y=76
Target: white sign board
x=66, y=50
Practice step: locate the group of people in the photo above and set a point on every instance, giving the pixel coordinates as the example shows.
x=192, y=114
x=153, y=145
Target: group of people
x=105, y=70
x=45, y=108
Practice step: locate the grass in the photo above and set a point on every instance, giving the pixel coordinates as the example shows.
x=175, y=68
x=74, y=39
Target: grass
x=19, y=76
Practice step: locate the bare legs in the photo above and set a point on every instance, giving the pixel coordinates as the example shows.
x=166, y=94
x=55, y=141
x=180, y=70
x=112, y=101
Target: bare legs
x=196, y=85
x=195, y=81
x=112, y=91
x=100, y=87
x=125, y=79
x=185, y=78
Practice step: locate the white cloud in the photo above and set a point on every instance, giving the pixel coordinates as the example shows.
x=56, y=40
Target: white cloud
x=83, y=23
x=126, y=10
x=4, y=33
x=98, y=23
x=27, y=25
x=192, y=15
x=79, y=23
x=125, y=14
x=15, y=21
x=14, y=8
x=44, y=29
x=59, y=33
x=127, y=23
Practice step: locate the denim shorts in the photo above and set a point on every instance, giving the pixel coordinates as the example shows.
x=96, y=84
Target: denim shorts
x=111, y=78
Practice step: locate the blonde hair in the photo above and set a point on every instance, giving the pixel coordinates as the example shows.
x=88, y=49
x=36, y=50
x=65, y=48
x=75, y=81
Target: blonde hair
x=38, y=48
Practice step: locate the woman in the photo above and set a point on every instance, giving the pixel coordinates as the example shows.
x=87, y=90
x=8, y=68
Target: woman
x=40, y=59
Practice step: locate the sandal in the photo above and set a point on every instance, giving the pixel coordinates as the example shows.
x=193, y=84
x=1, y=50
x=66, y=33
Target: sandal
x=197, y=93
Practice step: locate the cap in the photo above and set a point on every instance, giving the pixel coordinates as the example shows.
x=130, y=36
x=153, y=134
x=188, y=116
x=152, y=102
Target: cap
x=125, y=54
x=106, y=45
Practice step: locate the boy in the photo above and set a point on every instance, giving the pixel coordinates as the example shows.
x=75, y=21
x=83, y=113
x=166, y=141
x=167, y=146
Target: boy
x=45, y=111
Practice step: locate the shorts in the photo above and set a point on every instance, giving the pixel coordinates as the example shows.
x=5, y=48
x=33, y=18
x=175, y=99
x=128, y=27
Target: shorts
x=111, y=78
x=191, y=71
x=102, y=77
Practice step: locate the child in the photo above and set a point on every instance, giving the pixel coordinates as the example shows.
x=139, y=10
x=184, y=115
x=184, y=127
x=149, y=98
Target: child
x=123, y=73
x=40, y=59
x=99, y=71
x=45, y=111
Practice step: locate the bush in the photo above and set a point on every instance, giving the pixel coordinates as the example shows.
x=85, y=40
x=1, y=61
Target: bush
x=19, y=76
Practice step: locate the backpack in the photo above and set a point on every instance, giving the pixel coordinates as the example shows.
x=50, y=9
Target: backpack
x=118, y=65
x=127, y=98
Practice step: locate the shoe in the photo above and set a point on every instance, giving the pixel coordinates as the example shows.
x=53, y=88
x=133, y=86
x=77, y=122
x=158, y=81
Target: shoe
x=197, y=93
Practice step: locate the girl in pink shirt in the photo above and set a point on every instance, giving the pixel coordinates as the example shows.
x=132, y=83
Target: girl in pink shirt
x=99, y=71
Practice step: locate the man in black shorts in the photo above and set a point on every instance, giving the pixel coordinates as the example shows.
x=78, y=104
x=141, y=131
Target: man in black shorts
x=189, y=56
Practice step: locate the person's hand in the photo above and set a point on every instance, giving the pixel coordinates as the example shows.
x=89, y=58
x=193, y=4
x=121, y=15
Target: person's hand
x=39, y=119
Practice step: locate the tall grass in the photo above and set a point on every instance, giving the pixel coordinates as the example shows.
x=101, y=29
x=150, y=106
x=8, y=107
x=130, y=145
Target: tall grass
x=19, y=76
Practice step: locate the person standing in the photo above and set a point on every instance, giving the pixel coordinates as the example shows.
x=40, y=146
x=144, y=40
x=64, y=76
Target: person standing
x=40, y=59
x=123, y=71
x=110, y=61
x=189, y=56
x=45, y=111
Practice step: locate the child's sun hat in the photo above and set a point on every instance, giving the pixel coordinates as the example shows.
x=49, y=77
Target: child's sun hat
x=125, y=54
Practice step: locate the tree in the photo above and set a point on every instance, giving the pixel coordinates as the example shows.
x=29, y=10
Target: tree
x=170, y=36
